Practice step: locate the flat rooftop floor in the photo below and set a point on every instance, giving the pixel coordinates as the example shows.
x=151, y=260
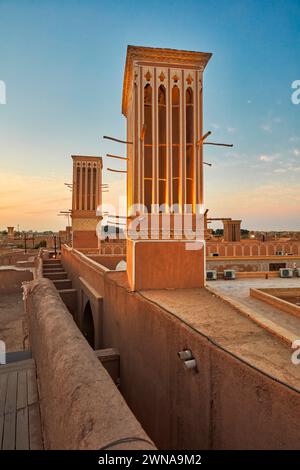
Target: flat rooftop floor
x=20, y=423
x=213, y=317
x=239, y=291
x=12, y=321
x=243, y=285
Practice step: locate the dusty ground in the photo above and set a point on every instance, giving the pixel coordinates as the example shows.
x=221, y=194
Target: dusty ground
x=12, y=321
x=215, y=318
x=239, y=290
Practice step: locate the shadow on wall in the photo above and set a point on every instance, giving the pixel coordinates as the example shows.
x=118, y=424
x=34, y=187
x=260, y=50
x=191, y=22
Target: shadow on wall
x=88, y=328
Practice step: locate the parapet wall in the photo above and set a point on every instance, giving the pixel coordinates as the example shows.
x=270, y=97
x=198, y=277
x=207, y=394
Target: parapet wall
x=109, y=261
x=228, y=404
x=11, y=279
x=81, y=407
x=252, y=264
x=279, y=298
x=10, y=258
x=76, y=262
x=252, y=248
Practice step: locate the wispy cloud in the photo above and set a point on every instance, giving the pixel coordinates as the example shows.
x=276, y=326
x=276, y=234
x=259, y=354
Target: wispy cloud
x=268, y=124
x=293, y=139
x=266, y=127
x=266, y=158
x=294, y=168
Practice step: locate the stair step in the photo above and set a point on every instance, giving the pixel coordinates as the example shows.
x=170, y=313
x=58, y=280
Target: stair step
x=55, y=275
x=62, y=284
x=69, y=298
x=53, y=270
x=56, y=261
x=67, y=291
x=52, y=266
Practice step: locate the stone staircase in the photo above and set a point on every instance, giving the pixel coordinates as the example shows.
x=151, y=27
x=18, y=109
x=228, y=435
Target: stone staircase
x=53, y=270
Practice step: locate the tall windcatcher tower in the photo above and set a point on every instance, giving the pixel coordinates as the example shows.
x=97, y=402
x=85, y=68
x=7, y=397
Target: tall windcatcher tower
x=162, y=101
x=86, y=197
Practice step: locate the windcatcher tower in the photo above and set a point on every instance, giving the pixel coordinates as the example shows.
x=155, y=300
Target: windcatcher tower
x=232, y=230
x=10, y=232
x=162, y=101
x=86, y=197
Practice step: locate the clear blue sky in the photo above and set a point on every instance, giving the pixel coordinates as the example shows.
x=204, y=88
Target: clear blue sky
x=62, y=62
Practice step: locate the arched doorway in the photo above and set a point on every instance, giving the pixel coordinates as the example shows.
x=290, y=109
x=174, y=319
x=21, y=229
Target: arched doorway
x=88, y=329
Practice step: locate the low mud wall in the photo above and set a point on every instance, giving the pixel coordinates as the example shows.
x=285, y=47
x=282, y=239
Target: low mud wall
x=11, y=258
x=272, y=297
x=76, y=263
x=109, y=261
x=11, y=280
x=227, y=404
x=81, y=408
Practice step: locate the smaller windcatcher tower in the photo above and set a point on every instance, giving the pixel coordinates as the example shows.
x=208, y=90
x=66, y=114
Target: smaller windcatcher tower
x=86, y=198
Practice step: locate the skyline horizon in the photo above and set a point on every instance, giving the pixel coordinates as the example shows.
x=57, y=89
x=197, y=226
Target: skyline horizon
x=70, y=96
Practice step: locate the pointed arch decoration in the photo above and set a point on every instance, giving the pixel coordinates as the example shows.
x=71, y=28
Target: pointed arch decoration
x=162, y=144
x=189, y=120
x=148, y=147
x=175, y=144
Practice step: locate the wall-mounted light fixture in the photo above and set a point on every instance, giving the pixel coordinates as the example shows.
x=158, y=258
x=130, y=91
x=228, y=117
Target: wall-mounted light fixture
x=188, y=360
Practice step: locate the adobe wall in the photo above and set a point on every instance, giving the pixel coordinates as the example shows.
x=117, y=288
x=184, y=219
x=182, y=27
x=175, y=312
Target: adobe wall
x=113, y=247
x=85, y=238
x=81, y=408
x=11, y=258
x=11, y=280
x=227, y=405
x=276, y=298
x=109, y=261
x=164, y=264
x=87, y=278
x=252, y=248
x=256, y=264
x=77, y=264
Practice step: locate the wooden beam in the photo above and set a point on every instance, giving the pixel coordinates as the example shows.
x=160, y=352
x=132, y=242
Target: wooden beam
x=117, y=140
x=116, y=156
x=201, y=140
x=215, y=143
x=116, y=171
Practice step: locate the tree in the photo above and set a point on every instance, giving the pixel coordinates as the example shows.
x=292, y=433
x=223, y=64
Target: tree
x=42, y=244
